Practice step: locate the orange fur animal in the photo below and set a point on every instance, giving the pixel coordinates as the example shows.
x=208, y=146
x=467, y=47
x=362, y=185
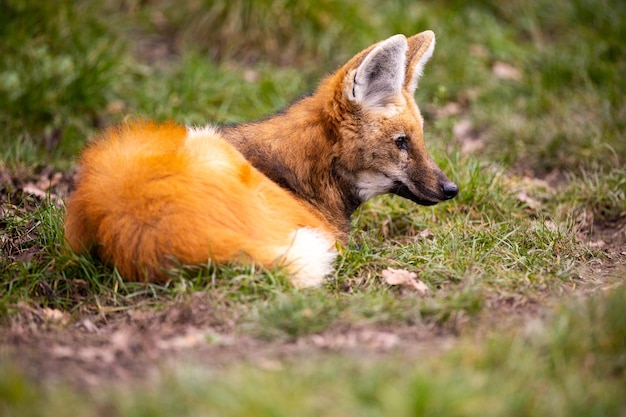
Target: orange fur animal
x=276, y=192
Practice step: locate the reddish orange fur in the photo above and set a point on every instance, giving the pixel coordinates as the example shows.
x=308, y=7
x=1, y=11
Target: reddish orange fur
x=145, y=198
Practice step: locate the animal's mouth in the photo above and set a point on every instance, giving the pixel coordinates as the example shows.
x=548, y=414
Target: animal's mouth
x=426, y=197
x=403, y=191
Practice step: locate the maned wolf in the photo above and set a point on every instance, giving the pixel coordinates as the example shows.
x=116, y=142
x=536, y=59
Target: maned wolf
x=275, y=192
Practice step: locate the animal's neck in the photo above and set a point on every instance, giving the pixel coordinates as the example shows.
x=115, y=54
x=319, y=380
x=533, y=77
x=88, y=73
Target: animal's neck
x=298, y=150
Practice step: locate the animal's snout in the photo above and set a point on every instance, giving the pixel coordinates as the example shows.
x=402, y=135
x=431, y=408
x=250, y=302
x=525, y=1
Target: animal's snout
x=450, y=190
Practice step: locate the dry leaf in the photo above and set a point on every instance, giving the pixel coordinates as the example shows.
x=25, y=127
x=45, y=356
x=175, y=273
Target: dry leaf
x=185, y=341
x=87, y=326
x=506, y=71
x=356, y=339
x=469, y=136
x=450, y=109
x=32, y=189
x=419, y=286
x=425, y=234
x=462, y=129
x=121, y=340
x=52, y=315
x=116, y=107
x=597, y=244
x=523, y=197
x=59, y=351
x=47, y=179
x=398, y=276
x=479, y=51
x=100, y=354
x=190, y=339
x=271, y=365
x=379, y=340
x=403, y=277
x=251, y=75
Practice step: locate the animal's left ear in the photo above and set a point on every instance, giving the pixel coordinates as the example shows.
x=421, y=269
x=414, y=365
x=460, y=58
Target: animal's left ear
x=380, y=75
x=421, y=47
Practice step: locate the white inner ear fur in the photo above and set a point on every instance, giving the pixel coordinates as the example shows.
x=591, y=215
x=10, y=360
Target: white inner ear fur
x=380, y=76
x=418, y=68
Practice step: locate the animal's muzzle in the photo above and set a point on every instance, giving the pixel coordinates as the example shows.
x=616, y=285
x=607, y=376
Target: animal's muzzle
x=449, y=190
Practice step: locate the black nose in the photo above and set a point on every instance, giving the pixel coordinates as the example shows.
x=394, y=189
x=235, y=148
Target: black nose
x=450, y=190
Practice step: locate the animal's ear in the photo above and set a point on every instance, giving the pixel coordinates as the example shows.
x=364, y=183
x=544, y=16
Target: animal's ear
x=421, y=47
x=379, y=76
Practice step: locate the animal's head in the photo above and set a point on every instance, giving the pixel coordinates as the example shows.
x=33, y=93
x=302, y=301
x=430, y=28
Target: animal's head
x=380, y=126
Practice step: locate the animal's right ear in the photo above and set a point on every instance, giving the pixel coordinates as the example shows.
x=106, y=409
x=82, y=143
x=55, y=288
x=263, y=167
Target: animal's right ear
x=421, y=47
x=379, y=76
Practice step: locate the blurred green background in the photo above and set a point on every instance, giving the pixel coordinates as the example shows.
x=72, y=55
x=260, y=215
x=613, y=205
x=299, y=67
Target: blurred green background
x=540, y=82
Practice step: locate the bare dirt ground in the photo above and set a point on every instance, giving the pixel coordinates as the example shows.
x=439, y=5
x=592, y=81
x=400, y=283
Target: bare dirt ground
x=88, y=349
x=91, y=351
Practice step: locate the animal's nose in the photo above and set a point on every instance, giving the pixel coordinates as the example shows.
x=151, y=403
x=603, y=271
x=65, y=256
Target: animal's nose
x=450, y=190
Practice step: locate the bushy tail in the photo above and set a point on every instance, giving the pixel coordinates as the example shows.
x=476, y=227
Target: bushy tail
x=149, y=197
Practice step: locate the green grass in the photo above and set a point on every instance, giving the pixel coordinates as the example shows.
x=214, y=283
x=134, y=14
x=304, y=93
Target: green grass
x=572, y=365
x=69, y=69
x=487, y=240
x=60, y=64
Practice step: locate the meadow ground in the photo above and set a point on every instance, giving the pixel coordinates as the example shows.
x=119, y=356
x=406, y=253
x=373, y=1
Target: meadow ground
x=516, y=306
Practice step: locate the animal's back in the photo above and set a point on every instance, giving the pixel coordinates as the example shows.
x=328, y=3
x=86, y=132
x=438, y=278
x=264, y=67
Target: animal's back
x=149, y=196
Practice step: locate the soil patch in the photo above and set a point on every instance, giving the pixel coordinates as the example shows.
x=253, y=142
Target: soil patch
x=88, y=351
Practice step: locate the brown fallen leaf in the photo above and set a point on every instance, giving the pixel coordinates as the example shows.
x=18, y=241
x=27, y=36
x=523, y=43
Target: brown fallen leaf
x=54, y=316
x=59, y=351
x=96, y=354
x=597, y=244
x=426, y=234
x=523, y=197
x=120, y=341
x=403, y=277
x=506, y=71
x=379, y=340
x=369, y=339
x=470, y=137
x=479, y=51
x=87, y=326
x=450, y=109
x=116, y=107
x=34, y=190
x=179, y=342
x=251, y=75
x=48, y=179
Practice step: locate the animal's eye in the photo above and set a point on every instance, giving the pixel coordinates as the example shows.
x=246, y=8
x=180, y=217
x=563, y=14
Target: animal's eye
x=402, y=142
